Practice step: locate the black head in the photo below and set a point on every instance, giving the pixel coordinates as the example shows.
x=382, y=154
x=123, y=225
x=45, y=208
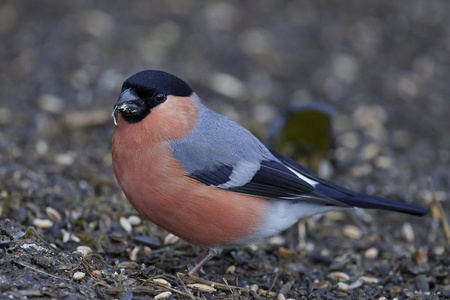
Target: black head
x=145, y=90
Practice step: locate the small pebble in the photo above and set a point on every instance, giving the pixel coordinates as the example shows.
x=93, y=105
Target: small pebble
x=352, y=232
x=422, y=283
x=4, y=241
x=163, y=295
x=202, y=287
x=5, y=116
x=162, y=282
x=408, y=232
x=147, y=240
x=126, y=225
x=281, y=297
x=42, y=223
x=170, y=239
x=53, y=214
x=134, y=220
x=78, y=275
x=339, y=276
x=371, y=253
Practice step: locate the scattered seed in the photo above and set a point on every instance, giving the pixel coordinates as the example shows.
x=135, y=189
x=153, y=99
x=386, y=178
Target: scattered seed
x=321, y=284
x=339, y=276
x=51, y=103
x=78, y=275
x=352, y=232
x=74, y=238
x=66, y=235
x=281, y=297
x=65, y=159
x=335, y=215
x=439, y=250
x=383, y=162
x=42, y=223
x=163, y=295
x=382, y=298
x=285, y=253
x=76, y=214
x=134, y=220
x=254, y=287
x=422, y=256
x=83, y=252
x=277, y=240
x=126, y=225
x=371, y=253
x=231, y=270
x=356, y=284
x=134, y=253
x=162, y=282
x=343, y=286
x=202, y=287
x=170, y=239
x=53, y=214
x=96, y=273
x=369, y=279
x=408, y=232
x=84, y=248
x=147, y=250
x=395, y=290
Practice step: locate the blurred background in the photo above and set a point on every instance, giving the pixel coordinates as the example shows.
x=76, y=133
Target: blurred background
x=382, y=65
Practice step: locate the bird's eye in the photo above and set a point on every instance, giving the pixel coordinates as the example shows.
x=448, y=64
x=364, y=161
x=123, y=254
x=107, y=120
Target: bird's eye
x=160, y=97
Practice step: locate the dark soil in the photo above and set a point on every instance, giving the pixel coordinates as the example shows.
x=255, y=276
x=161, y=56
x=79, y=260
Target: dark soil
x=383, y=66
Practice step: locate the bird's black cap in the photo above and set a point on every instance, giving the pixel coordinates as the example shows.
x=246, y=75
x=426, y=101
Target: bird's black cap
x=145, y=90
x=151, y=81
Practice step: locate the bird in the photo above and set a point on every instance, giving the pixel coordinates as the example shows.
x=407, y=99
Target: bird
x=207, y=179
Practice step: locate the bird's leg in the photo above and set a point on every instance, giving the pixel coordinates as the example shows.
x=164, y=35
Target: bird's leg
x=203, y=258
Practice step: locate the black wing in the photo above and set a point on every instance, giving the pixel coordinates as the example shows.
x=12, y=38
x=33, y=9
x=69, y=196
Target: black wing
x=272, y=180
x=348, y=197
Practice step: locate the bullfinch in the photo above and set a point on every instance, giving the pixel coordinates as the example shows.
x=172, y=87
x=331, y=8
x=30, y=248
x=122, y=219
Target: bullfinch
x=208, y=180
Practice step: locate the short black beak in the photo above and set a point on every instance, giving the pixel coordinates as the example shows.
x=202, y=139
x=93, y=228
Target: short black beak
x=129, y=104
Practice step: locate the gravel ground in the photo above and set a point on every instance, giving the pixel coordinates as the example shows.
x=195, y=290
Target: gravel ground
x=382, y=65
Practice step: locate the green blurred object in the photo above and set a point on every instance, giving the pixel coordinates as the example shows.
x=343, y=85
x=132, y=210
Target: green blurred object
x=304, y=133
